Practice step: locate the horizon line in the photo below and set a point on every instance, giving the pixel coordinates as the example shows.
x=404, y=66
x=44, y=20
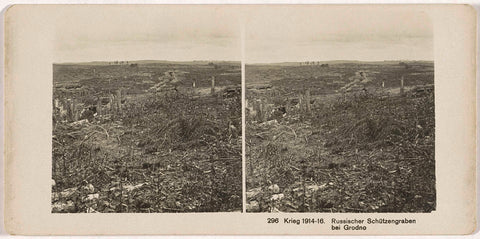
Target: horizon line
x=286, y=62
x=100, y=61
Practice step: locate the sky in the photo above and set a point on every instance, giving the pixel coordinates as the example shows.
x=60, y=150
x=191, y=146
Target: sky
x=147, y=33
x=272, y=33
x=340, y=33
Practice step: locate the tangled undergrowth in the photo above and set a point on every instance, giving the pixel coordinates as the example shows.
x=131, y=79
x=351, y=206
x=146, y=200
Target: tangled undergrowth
x=361, y=153
x=178, y=153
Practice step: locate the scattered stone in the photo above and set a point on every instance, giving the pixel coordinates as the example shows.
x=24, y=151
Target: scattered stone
x=91, y=210
x=89, y=188
x=276, y=197
x=80, y=122
x=67, y=193
x=274, y=188
x=93, y=196
x=132, y=187
x=253, y=192
x=274, y=209
x=314, y=188
x=67, y=207
x=253, y=206
x=269, y=123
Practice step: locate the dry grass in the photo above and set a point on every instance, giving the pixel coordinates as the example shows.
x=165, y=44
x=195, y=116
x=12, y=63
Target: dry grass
x=360, y=153
x=175, y=152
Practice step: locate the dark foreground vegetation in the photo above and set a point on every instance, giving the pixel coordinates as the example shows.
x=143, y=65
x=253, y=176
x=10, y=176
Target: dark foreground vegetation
x=157, y=145
x=355, y=151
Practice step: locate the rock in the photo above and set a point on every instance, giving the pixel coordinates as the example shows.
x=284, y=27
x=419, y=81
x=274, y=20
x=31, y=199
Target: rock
x=132, y=187
x=269, y=123
x=91, y=210
x=274, y=188
x=88, y=188
x=67, y=193
x=253, y=192
x=80, y=122
x=314, y=188
x=253, y=206
x=274, y=209
x=276, y=197
x=93, y=196
x=69, y=206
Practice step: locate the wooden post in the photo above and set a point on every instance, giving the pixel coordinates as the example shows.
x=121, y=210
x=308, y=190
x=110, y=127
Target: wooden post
x=300, y=103
x=74, y=110
x=401, y=86
x=70, y=109
x=287, y=106
x=260, y=111
x=99, y=107
x=267, y=110
x=213, y=85
x=383, y=83
x=307, y=100
x=119, y=100
x=110, y=104
x=194, y=83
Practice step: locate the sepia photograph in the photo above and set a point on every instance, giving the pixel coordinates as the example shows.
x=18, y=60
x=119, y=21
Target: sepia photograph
x=240, y=119
x=147, y=118
x=340, y=117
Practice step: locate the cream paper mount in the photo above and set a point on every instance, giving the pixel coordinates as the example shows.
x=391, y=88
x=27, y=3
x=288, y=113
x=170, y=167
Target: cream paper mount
x=240, y=119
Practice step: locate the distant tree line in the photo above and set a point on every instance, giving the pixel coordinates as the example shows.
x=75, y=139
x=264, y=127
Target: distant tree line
x=312, y=63
x=118, y=63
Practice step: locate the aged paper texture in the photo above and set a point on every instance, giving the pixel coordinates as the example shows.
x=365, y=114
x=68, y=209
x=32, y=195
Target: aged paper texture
x=127, y=119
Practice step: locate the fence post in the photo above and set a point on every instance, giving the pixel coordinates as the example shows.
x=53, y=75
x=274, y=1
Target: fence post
x=74, y=109
x=213, y=85
x=307, y=100
x=119, y=100
x=99, y=107
x=266, y=110
x=260, y=111
x=300, y=103
x=287, y=106
x=401, y=86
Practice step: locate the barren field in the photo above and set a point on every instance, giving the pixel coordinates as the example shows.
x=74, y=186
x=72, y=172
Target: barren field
x=141, y=137
x=313, y=146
